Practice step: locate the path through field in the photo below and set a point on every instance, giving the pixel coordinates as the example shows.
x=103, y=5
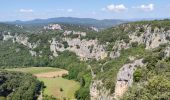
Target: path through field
x=52, y=74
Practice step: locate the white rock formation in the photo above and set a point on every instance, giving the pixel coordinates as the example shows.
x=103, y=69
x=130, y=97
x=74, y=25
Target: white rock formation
x=79, y=33
x=119, y=45
x=95, y=29
x=22, y=39
x=33, y=53
x=125, y=77
x=67, y=33
x=149, y=38
x=53, y=27
x=85, y=49
x=98, y=92
x=167, y=52
x=7, y=37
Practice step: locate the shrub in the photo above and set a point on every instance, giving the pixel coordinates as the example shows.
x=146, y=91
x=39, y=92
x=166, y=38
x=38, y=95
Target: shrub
x=134, y=44
x=141, y=30
x=77, y=46
x=61, y=89
x=137, y=75
x=65, y=44
x=168, y=38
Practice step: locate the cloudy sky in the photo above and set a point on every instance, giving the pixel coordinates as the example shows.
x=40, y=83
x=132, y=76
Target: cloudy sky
x=100, y=9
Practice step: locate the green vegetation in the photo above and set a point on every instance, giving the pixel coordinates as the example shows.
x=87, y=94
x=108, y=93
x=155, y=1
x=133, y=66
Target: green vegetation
x=155, y=23
x=13, y=54
x=35, y=70
x=150, y=82
x=18, y=86
x=57, y=87
x=153, y=81
x=137, y=75
x=5, y=28
x=112, y=66
x=54, y=86
x=77, y=71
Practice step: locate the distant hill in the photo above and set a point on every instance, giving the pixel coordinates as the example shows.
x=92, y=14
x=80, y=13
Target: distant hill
x=106, y=23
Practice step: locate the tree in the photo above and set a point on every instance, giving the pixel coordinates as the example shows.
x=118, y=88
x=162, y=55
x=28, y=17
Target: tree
x=137, y=75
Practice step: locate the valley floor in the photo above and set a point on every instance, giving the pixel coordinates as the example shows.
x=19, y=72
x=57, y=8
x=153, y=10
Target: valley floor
x=55, y=85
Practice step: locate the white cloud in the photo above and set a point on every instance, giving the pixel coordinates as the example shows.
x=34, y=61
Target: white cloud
x=149, y=7
x=26, y=10
x=69, y=10
x=115, y=8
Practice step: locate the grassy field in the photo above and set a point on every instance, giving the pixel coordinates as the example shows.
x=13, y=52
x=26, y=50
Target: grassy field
x=53, y=85
x=35, y=70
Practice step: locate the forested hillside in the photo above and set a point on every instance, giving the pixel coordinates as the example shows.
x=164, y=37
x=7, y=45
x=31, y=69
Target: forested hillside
x=18, y=86
x=130, y=61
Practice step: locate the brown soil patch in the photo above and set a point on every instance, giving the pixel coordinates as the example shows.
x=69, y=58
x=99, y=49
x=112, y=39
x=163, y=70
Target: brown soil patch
x=52, y=74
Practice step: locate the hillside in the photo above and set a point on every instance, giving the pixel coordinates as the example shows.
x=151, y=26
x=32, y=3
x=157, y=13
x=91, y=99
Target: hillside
x=128, y=61
x=75, y=21
x=18, y=86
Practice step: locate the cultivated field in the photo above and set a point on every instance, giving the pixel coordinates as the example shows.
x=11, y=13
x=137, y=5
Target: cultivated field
x=60, y=88
x=55, y=85
x=35, y=70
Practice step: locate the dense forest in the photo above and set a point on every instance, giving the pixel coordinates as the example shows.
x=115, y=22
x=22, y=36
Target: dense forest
x=18, y=86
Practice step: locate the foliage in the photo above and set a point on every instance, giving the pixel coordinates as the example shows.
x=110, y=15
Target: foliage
x=19, y=86
x=134, y=44
x=153, y=84
x=65, y=88
x=137, y=75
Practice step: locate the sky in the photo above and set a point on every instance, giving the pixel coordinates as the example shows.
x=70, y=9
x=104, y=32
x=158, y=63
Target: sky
x=11, y=10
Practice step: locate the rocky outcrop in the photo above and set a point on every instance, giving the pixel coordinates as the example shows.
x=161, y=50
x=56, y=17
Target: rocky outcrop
x=125, y=77
x=85, y=49
x=119, y=45
x=149, y=38
x=98, y=92
x=95, y=29
x=124, y=80
x=22, y=39
x=53, y=27
x=56, y=46
x=167, y=52
x=33, y=53
x=7, y=36
x=152, y=38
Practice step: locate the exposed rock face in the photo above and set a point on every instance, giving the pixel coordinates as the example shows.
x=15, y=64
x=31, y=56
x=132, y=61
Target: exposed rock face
x=125, y=77
x=53, y=27
x=167, y=52
x=67, y=33
x=7, y=37
x=85, y=49
x=22, y=39
x=33, y=53
x=152, y=38
x=149, y=38
x=79, y=33
x=119, y=45
x=98, y=92
x=95, y=29
x=56, y=46
x=124, y=80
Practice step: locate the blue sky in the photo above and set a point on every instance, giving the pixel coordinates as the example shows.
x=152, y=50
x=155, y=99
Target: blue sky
x=100, y=9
